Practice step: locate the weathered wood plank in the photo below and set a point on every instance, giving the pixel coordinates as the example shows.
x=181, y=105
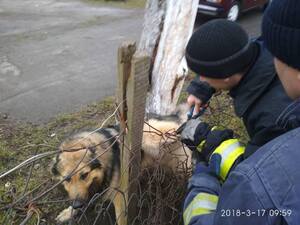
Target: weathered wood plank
x=136, y=101
x=133, y=85
x=125, y=54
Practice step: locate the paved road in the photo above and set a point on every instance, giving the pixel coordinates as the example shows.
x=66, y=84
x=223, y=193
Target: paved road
x=59, y=55
x=250, y=21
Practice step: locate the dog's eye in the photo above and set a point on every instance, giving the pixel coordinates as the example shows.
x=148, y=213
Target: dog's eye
x=68, y=179
x=83, y=176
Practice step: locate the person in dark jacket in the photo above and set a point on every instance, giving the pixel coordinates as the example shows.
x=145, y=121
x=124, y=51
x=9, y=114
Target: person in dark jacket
x=264, y=188
x=224, y=58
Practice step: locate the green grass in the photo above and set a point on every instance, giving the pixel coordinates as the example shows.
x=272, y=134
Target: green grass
x=128, y=4
x=221, y=113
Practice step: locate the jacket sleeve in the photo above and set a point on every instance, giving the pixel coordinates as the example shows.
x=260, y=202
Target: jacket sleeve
x=240, y=201
x=234, y=204
x=201, y=90
x=202, y=198
x=204, y=186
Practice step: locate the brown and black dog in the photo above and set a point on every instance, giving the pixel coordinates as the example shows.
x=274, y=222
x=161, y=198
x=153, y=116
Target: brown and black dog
x=90, y=162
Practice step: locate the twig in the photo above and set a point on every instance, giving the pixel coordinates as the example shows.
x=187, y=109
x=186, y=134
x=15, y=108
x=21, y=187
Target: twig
x=29, y=176
x=28, y=217
x=28, y=161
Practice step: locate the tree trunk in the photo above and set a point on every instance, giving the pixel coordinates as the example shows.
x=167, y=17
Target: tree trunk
x=167, y=27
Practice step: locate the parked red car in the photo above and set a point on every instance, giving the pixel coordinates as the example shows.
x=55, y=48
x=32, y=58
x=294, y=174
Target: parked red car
x=230, y=9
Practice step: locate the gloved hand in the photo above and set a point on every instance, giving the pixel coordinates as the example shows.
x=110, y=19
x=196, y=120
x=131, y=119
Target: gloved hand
x=200, y=137
x=214, y=138
x=194, y=132
x=201, y=92
x=223, y=159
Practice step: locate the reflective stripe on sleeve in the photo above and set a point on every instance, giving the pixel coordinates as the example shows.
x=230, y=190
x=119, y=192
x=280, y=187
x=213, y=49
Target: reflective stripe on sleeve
x=203, y=203
x=201, y=145
x=229, y=150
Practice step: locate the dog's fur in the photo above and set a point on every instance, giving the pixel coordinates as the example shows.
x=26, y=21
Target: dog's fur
x=95, y=168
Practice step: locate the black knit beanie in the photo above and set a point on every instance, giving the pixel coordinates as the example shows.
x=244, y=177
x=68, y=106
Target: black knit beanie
x=219, y=49
x=281, y=31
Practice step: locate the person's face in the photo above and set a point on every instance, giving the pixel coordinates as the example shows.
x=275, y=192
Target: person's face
x=289, y=77
x=222, y=84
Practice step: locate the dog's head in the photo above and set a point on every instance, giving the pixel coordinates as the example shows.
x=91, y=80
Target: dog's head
x=82, y=166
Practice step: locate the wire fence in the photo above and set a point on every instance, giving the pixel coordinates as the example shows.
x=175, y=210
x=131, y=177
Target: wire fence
x=29, y=194
x=32, y=196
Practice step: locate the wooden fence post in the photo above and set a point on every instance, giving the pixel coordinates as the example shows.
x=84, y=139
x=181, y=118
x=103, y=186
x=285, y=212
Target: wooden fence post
x=132, y=92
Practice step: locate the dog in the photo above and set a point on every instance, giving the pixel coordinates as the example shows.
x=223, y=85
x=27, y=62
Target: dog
x=89, y=163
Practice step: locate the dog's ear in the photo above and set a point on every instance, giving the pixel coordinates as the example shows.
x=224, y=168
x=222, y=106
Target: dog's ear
x=95, y=164
x=54, y=169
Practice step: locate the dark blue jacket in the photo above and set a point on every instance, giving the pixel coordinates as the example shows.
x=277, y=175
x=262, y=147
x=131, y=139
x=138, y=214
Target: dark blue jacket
x=259, y=99
x=264, y=189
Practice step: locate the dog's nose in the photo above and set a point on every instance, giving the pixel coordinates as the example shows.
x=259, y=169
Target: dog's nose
x=77, y=204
